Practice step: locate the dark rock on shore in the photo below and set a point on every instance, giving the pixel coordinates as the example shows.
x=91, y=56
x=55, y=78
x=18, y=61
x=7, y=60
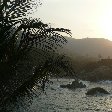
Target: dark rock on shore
x=74, y=85
x=97, y=90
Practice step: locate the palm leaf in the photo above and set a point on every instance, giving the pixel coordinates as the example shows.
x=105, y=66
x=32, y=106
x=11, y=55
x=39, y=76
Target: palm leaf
x=18, y=35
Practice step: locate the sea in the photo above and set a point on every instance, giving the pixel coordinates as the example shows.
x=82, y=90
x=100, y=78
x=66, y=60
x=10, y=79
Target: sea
x=57, y=99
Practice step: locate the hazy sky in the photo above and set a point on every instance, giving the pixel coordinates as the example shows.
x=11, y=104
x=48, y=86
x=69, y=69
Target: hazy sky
x=85, y=18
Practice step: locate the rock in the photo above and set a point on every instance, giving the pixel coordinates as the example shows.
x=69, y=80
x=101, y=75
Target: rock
x=96, y=90
x=74, y=85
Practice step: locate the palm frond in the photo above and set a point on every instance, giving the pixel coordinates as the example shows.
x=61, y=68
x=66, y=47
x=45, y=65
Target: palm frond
x=18, y=35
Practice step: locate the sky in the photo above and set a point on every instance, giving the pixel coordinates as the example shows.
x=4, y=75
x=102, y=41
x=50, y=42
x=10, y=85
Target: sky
x=85, y=18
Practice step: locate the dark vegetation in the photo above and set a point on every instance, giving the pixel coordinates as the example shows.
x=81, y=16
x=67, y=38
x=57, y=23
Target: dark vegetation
x=93, y=70
x=22, y=65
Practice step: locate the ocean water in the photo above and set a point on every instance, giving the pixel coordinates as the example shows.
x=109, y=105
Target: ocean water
x=56, y=99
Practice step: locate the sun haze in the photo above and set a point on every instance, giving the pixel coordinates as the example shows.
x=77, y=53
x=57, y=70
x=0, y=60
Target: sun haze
x=85, y=18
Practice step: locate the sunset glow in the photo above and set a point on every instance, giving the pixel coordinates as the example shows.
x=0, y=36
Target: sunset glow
x=106, y=24
x=85, y=18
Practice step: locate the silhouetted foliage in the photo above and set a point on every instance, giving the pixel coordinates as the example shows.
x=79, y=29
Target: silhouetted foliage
x=19, y=34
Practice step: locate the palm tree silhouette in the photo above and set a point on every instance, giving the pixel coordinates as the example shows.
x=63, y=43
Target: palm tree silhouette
x=18, y=35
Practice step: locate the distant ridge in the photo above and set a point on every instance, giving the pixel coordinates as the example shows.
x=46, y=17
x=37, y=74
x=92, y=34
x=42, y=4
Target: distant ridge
x=92, y=47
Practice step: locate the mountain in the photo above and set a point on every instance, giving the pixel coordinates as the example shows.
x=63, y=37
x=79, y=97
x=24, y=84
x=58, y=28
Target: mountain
x=89, y=47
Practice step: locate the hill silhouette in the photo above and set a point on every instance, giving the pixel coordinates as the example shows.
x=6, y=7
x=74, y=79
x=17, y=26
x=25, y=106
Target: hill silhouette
x=89, y=47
